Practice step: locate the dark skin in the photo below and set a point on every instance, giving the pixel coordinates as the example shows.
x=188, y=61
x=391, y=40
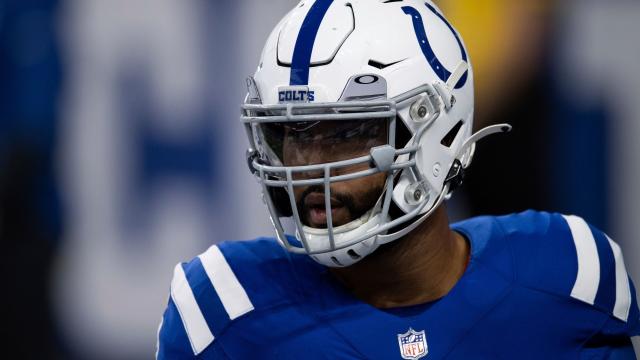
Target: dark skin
x=320, y=144
x=420, y=267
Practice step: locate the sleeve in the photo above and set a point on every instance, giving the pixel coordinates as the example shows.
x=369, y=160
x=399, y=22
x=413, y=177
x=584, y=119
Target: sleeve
x=615, y=326
x=612, y=342
x=601, y=279
x=205, y=298
x=621, y=349
x=603, y=282
x=173, y=342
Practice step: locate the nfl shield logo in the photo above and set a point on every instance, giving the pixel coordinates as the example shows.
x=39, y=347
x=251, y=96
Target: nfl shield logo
x=413, y=344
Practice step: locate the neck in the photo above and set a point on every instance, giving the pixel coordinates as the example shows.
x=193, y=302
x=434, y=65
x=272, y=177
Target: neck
x=421, y=267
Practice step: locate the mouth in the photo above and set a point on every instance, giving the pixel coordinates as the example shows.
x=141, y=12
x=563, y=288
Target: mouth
x=316, y=212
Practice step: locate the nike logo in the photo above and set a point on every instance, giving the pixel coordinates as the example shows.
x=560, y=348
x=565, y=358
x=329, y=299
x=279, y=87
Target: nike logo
x=379, y=65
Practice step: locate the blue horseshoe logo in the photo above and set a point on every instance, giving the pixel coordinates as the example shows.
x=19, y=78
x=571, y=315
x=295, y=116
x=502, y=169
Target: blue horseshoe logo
x=423, y=41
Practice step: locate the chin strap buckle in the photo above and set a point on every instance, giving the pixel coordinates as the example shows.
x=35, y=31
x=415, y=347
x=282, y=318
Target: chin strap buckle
x=455, y=177
x=456, y=172
x=445, y=90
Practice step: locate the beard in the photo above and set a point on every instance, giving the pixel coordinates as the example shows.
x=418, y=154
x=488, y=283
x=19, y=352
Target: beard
x=355, y=208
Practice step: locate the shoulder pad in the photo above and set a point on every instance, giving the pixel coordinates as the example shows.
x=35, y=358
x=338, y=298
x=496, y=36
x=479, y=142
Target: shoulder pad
x=488, y=244
x=208, y=296
x=564, y=255
x=224, y=283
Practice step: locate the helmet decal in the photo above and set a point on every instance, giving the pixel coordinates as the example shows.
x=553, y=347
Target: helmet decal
x=423, y=41
x=304, y=43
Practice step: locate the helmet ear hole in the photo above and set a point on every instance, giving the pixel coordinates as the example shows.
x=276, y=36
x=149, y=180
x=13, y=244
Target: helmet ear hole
x=448, y=139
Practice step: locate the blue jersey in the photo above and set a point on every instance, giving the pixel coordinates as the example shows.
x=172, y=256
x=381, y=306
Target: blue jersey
x=538, y=286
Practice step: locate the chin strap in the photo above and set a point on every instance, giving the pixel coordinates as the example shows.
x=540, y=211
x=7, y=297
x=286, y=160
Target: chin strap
x=383, y=239
x=453, y=180
x=457, y=74
x=445, y=90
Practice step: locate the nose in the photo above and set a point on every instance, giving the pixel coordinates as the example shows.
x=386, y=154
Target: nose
x=317, y=154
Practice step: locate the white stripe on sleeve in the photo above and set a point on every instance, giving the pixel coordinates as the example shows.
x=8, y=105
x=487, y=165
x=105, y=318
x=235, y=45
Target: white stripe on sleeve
x=623, y=292
x=232, y=295
x=588, y=279
x=158, y=338
x=194, y=323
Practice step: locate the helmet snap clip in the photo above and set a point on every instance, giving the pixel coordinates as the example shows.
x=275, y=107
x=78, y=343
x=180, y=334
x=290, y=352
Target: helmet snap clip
x=422, y=109
x=416, y=193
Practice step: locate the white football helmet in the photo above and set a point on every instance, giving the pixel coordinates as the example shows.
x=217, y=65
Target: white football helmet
x=345, y=65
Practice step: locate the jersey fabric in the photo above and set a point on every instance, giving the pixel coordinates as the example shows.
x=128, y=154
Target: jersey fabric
x=538, y=286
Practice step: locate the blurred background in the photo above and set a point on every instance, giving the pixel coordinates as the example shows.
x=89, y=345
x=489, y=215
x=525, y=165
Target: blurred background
x=121, y=151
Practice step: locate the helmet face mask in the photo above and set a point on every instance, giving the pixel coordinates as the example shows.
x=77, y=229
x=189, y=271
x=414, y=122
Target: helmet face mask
x=322, y=130
x=320, y=142
x=307, y=149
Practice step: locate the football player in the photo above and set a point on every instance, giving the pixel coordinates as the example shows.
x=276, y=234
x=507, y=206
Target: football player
x=359, y=119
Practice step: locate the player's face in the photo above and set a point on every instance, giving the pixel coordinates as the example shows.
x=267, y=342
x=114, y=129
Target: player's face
x=330, y=141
